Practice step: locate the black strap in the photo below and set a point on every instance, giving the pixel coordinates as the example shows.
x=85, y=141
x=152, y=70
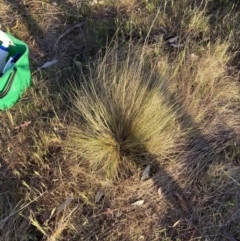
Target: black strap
x=8, y=84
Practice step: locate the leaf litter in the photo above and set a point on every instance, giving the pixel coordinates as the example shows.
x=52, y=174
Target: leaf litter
x=23, y=125
x=48, y=64
x=99, y=195
x=138, y=203
x=65, y=204
x=145, y=174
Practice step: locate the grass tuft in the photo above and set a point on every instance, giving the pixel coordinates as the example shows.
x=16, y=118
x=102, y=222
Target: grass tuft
x=123, y=116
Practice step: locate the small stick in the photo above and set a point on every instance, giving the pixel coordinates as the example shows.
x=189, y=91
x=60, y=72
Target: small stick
x=70, y=30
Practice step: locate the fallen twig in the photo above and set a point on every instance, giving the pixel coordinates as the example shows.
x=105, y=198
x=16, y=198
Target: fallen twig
x=70, y=30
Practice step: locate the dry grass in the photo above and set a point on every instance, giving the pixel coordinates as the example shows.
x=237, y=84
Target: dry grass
x=123, y=116
x=131, y=105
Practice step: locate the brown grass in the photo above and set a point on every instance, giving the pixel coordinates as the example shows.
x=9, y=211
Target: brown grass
x=131, y=104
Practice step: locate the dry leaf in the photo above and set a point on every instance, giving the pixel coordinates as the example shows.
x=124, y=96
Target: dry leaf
x=100, y=194
x=138, y=203
x=164, y=30
x=177, y=45
x=160, y=192
x=78, y=63
x=25, y=124
x=173, y=40
x=65, y=203
x=141, y=238
x=145, y=174
x=48, y=64
x=183, y=202
x=194, y=56
x=176, y=223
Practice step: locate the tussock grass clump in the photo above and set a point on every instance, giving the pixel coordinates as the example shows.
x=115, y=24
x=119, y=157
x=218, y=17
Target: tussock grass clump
x=123, y=115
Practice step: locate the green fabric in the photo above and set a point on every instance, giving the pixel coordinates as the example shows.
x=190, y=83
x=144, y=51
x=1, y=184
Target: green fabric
x=19, y=75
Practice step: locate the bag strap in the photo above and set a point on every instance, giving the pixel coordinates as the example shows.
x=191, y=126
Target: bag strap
x=8, y=84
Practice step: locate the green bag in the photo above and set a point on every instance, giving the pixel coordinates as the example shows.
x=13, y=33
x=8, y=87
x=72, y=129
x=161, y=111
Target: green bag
x=17, y=78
